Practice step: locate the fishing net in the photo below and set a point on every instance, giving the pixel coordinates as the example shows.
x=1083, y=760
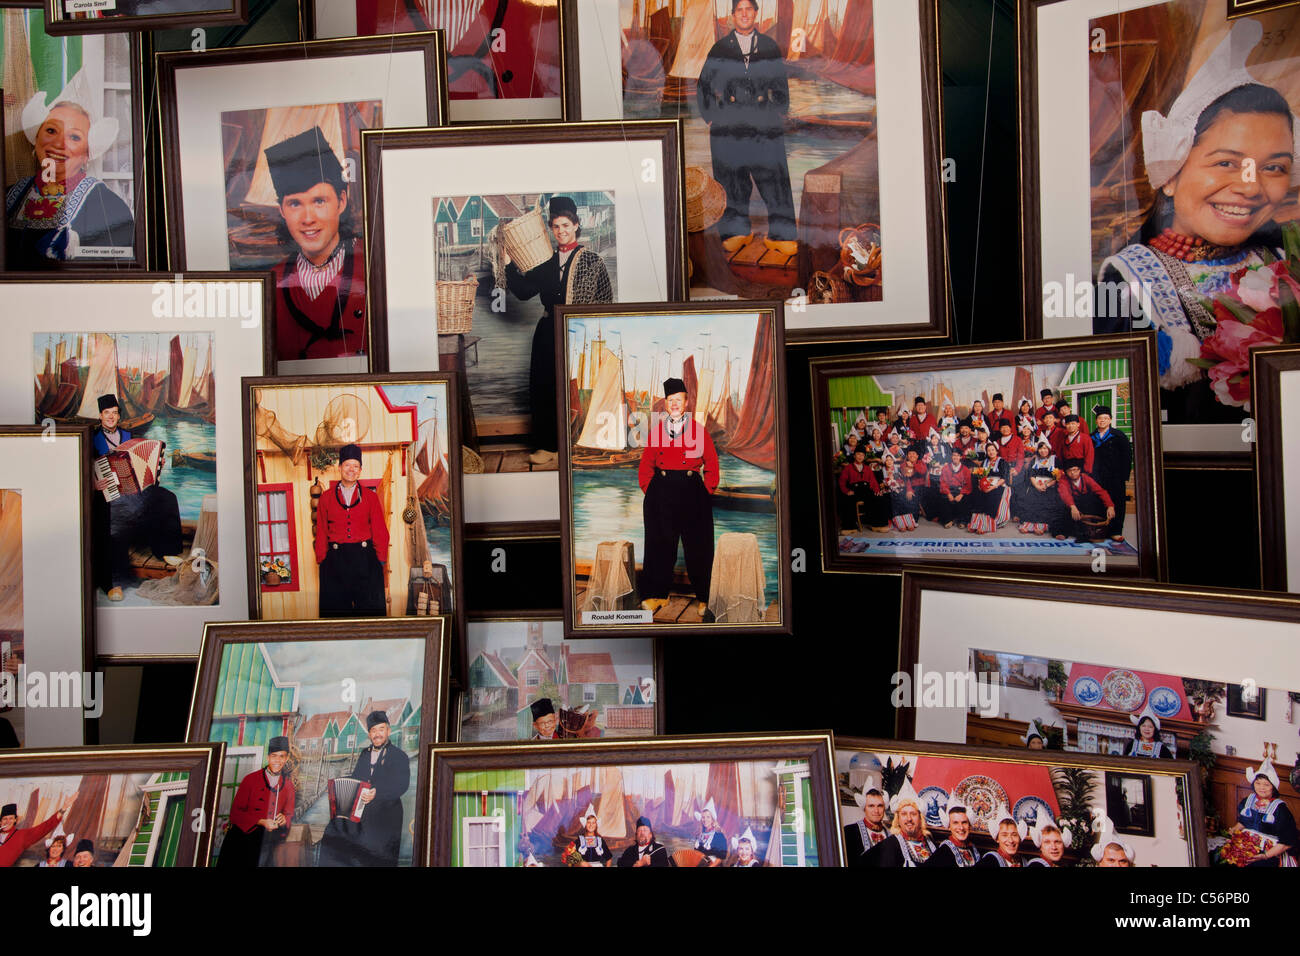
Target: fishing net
x=736, y=594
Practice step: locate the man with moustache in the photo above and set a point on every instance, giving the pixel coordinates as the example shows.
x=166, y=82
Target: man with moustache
x=909, y=841
x=376, y=840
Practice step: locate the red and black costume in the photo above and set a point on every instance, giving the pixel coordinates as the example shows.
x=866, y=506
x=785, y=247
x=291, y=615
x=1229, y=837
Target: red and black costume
x=858, y=484
x=16, y=841
x=678, y=473
x=258, y=798
x=351, y=547
x=332, y=324
x=954, y=479
x=1089, y=497
x=1078, y=445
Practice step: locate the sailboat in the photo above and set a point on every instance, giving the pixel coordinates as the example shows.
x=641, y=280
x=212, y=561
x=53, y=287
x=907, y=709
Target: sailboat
x=852, y=60
x=79, y=388
x=184, y=399
x=603, y=440
x=429, y=469
x=698, y=32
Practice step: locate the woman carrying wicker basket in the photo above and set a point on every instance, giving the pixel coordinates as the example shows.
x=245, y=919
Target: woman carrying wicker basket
x=573, y=275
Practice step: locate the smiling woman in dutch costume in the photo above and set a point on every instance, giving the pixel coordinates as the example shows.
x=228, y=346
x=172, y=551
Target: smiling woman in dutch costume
x=351, y=544
x=1264, y=813
x=1222, y=163
x=1146, y=736
x=62, y=212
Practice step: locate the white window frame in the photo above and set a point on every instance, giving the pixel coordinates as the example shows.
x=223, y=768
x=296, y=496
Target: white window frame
x=496, y=822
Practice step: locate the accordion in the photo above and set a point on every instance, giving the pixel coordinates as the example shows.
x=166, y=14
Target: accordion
x=130, y=468
x=345, y=798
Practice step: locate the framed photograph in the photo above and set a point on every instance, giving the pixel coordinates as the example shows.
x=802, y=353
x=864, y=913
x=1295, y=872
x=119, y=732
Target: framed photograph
x=840, y=163
x=1017, y=456
x=109, y=806
x=115, y=16
x=1128, y=803
x=943, y=805
x=48, y=685
x=526, y=682
x=1275, y=380
x=284, y=195
x=271, y=21
x=675, y=801
x=325, y=723
x=497, y=227
x=506, y=59
x=1109, y=688
x=74, y=134
x=152, y=362
x=1246, y=700
x=1121, y=105
x=354, y=506
x=696, y=458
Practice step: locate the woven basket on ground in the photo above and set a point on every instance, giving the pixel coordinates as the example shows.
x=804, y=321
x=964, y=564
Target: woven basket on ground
x=456, y=305
x=526, y=240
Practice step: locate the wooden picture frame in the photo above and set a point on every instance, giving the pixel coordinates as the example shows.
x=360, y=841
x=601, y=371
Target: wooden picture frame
x=810, y=754
x=1237, y=704
x=252, y=731
x=1104, y=624
x=628, y=719
x=185, y=844
x=1180, y=786
x=827, y=302
x=400, y=80
x=1079, y=358
x=1142, y=823
x=129, y=53
x=282, y=21
x=155, y=323
x=275, y=452
x=753, y=328
x=1244, y=8
x=194, y=13
x=1274, y=376
x=475, y=56
x=61, y=639
x=1076, y=218
x=603, y=162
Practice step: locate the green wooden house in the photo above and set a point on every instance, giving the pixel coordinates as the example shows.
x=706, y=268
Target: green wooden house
x=252, y=704
x=851, y=397
x=485, y=809
x=793, y=841
x=162, y=821
x=1099, y=382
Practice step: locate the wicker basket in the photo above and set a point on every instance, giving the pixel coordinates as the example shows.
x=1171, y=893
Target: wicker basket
x=526, y=240
x=706, y=200
x=456, y=305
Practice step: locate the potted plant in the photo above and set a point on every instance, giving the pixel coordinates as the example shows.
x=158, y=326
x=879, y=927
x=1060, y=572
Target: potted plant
x=1055, y=681
x=1203, y=695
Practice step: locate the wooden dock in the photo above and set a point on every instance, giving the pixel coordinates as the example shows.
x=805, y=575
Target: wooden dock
x=146, y=566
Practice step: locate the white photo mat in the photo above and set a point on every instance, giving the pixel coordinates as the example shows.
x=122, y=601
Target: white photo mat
x=122, y=306
x=900, y=111
x=1213, y=647
x=1064, y=202
x=412, y=309
x=336, y=19
x=48, y=475
x=1289, y=467
x=396, y=80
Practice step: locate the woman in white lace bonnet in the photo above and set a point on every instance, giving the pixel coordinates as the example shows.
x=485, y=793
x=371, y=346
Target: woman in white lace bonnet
x=1222, y=161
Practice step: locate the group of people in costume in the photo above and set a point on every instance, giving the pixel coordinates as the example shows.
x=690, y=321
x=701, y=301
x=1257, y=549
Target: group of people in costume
x=711, y=844
x=262, y=811
x=1146, y=742
x=1035, y=467
x=15, y=841
x=906, y=840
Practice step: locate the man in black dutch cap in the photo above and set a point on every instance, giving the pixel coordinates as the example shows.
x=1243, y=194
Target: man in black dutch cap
x=14, y=841
x=261, y=812
x=320, y=303
x=152, y=516
x=1112, y=461
x=744, y=96
x=574, y=275
x=85, y=855
x=351, y=544
x=377, y=839
x=545, y=720
x=678, y=474
x=646, y=851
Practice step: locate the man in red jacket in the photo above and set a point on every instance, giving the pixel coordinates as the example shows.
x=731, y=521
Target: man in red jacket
x=261, y=812
x=1077, y=443
x=320, y=289
x=1082, y=496
x=678, y=473
x=14, y=841
x=351, y=544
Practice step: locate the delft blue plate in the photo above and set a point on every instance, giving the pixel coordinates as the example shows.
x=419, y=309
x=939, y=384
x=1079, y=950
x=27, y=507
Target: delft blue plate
x=932, y=800
x=1165, y=701
x=1032, y=810
x=1087, y=691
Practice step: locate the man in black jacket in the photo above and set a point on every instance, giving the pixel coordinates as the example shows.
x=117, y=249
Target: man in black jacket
x=645, y=851
x=1112, y=460
x=744, y=96
x=377, y=839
